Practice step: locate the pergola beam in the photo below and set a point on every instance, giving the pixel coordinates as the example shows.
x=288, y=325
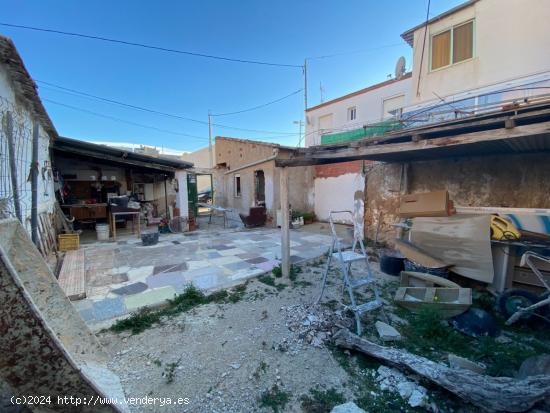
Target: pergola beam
x=285, y=224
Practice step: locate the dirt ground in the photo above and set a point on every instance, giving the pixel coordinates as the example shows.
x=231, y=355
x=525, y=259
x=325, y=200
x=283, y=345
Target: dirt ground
x=269, y=350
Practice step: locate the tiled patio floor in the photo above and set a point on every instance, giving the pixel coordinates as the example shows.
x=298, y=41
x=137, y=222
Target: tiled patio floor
x=124, y=276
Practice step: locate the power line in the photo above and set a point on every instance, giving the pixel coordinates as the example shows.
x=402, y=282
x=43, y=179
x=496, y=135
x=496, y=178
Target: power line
x=143, y=109
x=259, y=106
x=123, y=120
x=147, y=46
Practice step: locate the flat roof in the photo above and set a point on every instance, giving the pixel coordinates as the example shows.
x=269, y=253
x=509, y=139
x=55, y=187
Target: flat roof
x=116, y=155
x=408, y=36
x=250, y=141
x=361, y=91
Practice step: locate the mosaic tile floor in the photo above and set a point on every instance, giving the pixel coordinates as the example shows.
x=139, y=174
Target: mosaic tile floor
x=124, y=276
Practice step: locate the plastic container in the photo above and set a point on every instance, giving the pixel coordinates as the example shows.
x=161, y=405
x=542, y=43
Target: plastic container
x=102, y=231
x=68, y=242
x=413, y=266
x=150, y=238
x=391, y=264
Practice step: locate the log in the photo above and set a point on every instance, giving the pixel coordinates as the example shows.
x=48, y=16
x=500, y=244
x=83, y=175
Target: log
x=488, y=393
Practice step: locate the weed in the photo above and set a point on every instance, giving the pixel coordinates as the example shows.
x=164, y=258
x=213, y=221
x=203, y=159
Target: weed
x=267, y=280
x=277, y=272
x=170, y=371
x=274, y=398
x=188, y=300
x=157, y=362
x=281, y=287
x=262, y=368
x=319, y=401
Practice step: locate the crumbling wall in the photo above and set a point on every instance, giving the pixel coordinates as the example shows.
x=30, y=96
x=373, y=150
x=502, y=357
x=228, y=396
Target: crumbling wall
x=510, y=180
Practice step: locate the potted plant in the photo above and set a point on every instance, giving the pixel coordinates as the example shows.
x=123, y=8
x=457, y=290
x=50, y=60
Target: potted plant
x=309, y=217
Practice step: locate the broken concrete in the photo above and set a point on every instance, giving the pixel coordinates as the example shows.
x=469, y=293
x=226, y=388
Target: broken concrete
x=387, y=332
x=349, y=407
x=458, y=362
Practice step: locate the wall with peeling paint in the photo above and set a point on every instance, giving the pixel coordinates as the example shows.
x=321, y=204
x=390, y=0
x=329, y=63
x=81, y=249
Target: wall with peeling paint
x=513, y=180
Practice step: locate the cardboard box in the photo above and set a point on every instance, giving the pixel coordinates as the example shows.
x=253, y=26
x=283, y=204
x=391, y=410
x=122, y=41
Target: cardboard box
x=428, y=204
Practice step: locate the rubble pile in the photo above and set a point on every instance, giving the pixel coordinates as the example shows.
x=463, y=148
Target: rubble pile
x=395, y=381
x=310, y=325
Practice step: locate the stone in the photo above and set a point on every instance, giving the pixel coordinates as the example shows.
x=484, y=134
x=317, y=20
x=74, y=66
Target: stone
x=533, y=366
x=417, y=399
x=387, y=332
x=349, y=407
x=406, y=389
x=236, y=366
x=457, y=362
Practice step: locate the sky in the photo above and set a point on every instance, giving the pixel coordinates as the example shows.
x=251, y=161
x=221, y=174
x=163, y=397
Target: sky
x=363, y=34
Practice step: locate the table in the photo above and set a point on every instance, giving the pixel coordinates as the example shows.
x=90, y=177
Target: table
x=135, y=215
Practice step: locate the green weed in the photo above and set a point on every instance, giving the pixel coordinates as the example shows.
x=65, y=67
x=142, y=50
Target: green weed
x=274, y=398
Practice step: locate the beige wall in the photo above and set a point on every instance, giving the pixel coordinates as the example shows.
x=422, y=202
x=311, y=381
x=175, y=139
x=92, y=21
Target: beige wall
x=511, y=40
x=235, y=153
x=514, y=181
x=199, y=158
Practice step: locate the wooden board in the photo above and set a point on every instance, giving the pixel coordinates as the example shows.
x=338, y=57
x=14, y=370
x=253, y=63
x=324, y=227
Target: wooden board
x=72, y=275
x=418, y=255
x=463, y=240
x=449, y=302
x=420, y=279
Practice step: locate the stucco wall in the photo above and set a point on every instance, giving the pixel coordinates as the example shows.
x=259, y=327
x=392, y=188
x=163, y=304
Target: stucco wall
x=23, y=127
x=509, y=39
x=200, y=158
x=515, y=181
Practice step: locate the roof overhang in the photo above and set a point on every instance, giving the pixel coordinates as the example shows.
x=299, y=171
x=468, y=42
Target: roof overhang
x=497, y=133
x=408, y=36
x=110, y=155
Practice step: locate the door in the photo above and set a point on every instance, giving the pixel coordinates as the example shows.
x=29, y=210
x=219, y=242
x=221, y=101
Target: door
x=259, y=190
x=192, y=193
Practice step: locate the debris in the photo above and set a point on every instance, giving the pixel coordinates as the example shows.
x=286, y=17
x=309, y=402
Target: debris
x=349, y=407
x=476, y=323
x=235, y=366
x=489, y=393
x=421, y=279
x=534, y=366
x=387, y=332
x=395, y=381
x=457, y=362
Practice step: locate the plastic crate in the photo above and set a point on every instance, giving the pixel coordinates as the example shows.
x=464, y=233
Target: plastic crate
x=68, y=242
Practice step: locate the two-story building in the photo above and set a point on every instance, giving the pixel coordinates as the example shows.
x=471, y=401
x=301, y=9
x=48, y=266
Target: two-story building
x=365, y=112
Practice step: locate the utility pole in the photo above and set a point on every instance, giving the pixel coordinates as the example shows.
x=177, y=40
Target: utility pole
x=210, y=154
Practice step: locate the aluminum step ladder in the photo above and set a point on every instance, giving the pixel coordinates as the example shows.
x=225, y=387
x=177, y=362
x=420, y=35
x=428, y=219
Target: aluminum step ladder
x=344, y=259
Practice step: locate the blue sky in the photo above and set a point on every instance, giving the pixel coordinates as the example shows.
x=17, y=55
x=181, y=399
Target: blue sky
x=283, y=31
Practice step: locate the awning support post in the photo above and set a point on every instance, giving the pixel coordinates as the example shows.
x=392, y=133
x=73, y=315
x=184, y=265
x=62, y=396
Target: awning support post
x=285, y=224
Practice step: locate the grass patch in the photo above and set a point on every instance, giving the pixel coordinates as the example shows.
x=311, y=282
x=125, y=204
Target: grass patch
x=321, y=401
x=274, y=398
x=189, y=299
x=267, y=280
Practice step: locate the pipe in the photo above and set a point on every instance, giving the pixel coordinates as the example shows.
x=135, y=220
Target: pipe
x=248, y=165
x=34, y=185
x=13, y=167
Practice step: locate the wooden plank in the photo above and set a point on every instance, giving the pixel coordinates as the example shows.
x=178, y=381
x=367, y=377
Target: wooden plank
x=285, y=230
x=377, y=152
x=418, y=255
x=420, y=279
x=463, y=240
x=72, y=275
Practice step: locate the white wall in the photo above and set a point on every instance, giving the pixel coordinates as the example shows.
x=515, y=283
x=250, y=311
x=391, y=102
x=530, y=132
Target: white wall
x=337, y=194
x=511, y=40
x=369, y=109
x=23, y=126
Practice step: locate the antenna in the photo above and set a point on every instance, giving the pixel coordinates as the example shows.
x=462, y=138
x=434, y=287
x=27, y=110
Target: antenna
x=400, y=67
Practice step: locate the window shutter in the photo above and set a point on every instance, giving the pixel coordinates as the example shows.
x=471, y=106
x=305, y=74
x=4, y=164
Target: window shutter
x=441, y=49
x=463, y=37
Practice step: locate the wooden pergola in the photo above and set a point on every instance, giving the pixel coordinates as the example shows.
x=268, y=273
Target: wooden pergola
x=519, y=128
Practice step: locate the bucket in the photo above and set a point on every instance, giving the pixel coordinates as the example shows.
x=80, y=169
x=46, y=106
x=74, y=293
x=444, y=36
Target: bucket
x=102, y=231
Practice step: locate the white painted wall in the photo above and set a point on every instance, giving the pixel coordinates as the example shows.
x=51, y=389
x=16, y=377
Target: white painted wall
x=369, y=109
x=337, y=194
x=511, y=41
x=181, y=195
x=23, y=125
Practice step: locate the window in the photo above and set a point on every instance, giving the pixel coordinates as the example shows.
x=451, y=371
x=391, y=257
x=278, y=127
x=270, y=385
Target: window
x=237, y=186
x=352, y=113
x=392, y=107
x=452, y=46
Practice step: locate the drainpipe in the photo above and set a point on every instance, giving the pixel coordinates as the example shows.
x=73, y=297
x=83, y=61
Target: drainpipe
x=13, y=167
x=34, y=185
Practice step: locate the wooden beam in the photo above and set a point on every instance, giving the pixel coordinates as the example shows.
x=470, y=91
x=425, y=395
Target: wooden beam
x=379, y=152
x=285, y=230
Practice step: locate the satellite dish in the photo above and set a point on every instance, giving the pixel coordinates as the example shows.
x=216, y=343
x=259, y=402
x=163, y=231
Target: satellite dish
x=400, y=67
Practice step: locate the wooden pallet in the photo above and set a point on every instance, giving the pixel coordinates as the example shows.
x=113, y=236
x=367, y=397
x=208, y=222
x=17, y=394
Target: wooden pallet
x=72, y=275
x=449, y=302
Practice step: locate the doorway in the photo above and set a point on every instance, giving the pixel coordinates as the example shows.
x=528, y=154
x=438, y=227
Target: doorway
x=259, y=188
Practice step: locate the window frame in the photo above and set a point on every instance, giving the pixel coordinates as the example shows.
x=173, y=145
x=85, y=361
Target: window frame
x=352, y=109
x=451, y=46
x=237, y=194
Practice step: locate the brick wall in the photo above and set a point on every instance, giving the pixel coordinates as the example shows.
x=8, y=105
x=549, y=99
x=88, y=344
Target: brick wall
x=337, y=169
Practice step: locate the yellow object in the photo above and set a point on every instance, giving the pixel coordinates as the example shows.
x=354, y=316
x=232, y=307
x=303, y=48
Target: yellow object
x=68, y=242
x=502, y=229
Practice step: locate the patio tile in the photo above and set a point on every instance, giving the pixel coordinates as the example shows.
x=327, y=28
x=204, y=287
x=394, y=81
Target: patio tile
x=295, y=259
x=232, y=251
x=248, y=255
x=225, y=260
x=213, y=254
x=234, y=266
x=197, y=264
x=149, y=297
x=221, y=247
x=169, y=268
x=162, y=280
x=108, y=308
x=257, y=260
x=130, y=289
x=87, y=314
x=268, y=265
x=140, y=273
x=206, y=282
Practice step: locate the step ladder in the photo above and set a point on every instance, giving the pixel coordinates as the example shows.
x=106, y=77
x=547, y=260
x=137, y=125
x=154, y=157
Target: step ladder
x=344, y=259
